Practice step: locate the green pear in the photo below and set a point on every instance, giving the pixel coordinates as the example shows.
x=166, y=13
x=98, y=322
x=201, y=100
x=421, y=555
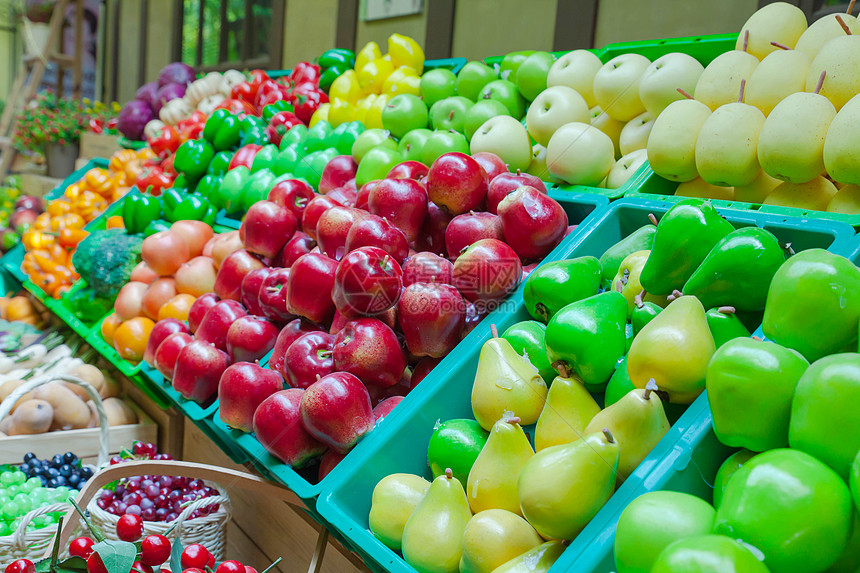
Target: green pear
x=727, y=469
x=792, y=507
x=638, y=423
x=685, y=235
x=626, y=281
x=672, y=141
x=554, y=285
x=492, y=483
x=750, y=387
x=563, y=487
x=568, y=410
x=724, y=324
x=639, y=240
x=433, y=535
x=394, y=499
x=506, y=382
x=708, y=554
x=654, y=520
x=588, y=337
x=726, y=151
x=619, y=385
x=537, y=560
x=843, y=137
x=493, y=537
x=738, y=270
x=825, y=420
x=674, y=350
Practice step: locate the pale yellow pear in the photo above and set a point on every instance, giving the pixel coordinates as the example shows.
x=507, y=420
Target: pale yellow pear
x=756, y=191
x=492, y=482
x=638, y=422
x=822, y=31
x=576, y=70
x=674, y=349
x=846, y=200
x=726, y=151
x=626, y=281
x=672, y=140
x=840, y=59
x=568, y=409
x=537, y=560
x=700, y=188
x=791, y=142
x=433, y=535
x=506, y=382
x=494, y=537
x=625, y=168
x=777, y=22
x=611, y=127
x=394, y=499
x=815, y=194
x=842, y=142
x=720, y=83
x=616, y=86
x=563, y=487
x=780, y=74
x=635, y=133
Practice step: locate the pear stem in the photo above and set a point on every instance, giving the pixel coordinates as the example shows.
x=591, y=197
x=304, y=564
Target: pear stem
x=562, y=368
x=850, y=7
x=788, y=248
x=757, y=338
x=514, y=420
x=609, y=437
x=741, y=93
x=746, y=40
x=494, y=331
x=820, y=83
x=651, y=386
x=619, y=286
x=449, y=473
x=652, y=218
x=675, y=294
x=726, y=310
x=780, y=46
x=685, y=93
x=637, y=300
x=842, y=23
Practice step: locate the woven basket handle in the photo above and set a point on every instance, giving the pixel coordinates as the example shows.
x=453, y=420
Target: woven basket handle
x=104, y=429
x=21, y=532
x=197, y=504
x=222, y=476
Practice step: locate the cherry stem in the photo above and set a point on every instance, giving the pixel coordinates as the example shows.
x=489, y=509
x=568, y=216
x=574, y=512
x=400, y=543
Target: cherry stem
x=780, y=46
x=820, y=83
x=746, y=40
x=609, y=437
x=684, y=93
x=741, y=93
x=726, y=310
x=850, y=7
x=653, y=218
x=494, y=331
x=449, y=473
x=842, y=23
x=651, y=386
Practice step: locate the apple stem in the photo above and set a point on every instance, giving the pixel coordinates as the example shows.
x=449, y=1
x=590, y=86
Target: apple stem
x=494, y=331
x=619, y=287
x=637, y=300
x=518, y=171
x=820, y=83
x=562, y=368
x=652, y=218
x=449, y=473
x=451, y=115
x=741, y=93
x=685, y=93
x=788, y=248
x=842, y=23
x=318, y=377
x=325, y=354
x=746, y=40
x=726, y=310
x=850, y=7
x=756, y=338
x=543, y=311
x=609, y=437
x=780, y=46
x=651, y=386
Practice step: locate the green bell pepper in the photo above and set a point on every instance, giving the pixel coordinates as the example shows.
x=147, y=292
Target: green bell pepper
x=296, y=135
x=337, y=57
x=276, y=107
x=256, y=189
x=286, y=161
x=253, y=130
x=213, y=124
x=182, y=183
x=192, y=207
x=229, y=195
x=208, y=185
x=138, y=211
x=319, y=137
x=170, y=200
x=331, y=74
x=156, y=226
x=348, y=135
x=193, y=158
x=265, y=158
x=227, y=134
x=220, y=163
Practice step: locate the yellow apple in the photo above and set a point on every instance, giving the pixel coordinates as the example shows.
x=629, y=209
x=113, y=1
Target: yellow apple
x=672, y=141
x=634, y=135
x=658, y=86
x=580, y=154
x=616, y=86
x=576, y=70
x=551, y=109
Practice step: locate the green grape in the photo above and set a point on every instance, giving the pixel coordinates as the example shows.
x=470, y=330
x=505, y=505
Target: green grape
x=13, y=489
x=6, y=478
x=42, y=521
x=34, y=483
x=4, y=493
x=5, y=528
x=10, y=509
x=24, y=503
x=18, y=477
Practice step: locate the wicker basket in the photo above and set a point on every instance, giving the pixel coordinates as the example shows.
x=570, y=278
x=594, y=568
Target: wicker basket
x=31, y=544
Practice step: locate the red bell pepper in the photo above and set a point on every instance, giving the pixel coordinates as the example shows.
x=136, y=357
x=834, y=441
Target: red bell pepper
x=168, y=167
x=154, y=181
x=244, y=156
x=270, y=91
x=244, y=91
x=307, y=102
x=280, y=124
x=166, y=142
x=257, y=76
x=305, y=72
x=237, y=106
x=95, y=125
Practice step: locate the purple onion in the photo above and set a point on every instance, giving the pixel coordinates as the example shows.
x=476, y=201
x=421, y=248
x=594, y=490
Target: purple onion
x=133, y=118
x=167, y=93
x=176, y=73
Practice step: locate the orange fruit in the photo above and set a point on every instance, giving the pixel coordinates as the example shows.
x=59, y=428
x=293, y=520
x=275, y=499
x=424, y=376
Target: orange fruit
x=130, y=338
x=109, y=326
x=177, y=307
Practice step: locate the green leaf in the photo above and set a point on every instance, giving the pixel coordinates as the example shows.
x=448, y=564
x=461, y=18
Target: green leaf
x=70, y=565
x=117, y=556
x=176, y=556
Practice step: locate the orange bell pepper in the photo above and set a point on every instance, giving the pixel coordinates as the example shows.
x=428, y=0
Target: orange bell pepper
x=115, y=222
x=70, y=237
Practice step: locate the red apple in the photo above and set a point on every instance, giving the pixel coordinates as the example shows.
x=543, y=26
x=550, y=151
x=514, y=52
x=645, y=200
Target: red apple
x=432, y=318
x=216, y=323
x=228, y=282
x=337, y=172
x=432, y=235
x=313, y=211
x=507, y=183
x=242, y=388
x=491, y=163
x=487, y=271
x=199, y=367
x=401, y=201
x=367, y=282
x=408, y=170
x=468, y=228
x=533, y=223
x=309, y=358
x=336, y=410
x=273, y=296
x=199, y=308
x=333, y=228
x=267, y=227
x=168, y=351
x=344, y=196
x=299, y=245
x=294, y=194
x=384, y=408
x=338, y=322
x=375, y=231
x=250, y=338
x=329, y=460
x=251, y=290
x=361, y=198
x=289, y=334
x=369, y=349
x=162, y=329
x=457, y=183
x=427, y=268
x=309, y=290
x=278, y=426
x=423, y=368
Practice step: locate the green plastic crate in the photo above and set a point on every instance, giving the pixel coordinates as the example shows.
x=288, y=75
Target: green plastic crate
x=399, y=445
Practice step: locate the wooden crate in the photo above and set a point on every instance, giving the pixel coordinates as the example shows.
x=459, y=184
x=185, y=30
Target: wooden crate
x=94, y=145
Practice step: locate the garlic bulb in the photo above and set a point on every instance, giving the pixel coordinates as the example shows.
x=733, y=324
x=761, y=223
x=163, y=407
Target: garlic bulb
x=232, y=78
x=208, y=104
x=175, y=111
x=198, y=90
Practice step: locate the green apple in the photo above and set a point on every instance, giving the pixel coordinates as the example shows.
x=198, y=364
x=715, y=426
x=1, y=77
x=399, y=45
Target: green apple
x=616, y=86
x=729, y=468
x=554, y=107
x=855, y=481
x=507, y=93
x=531, y=75
x=792, y=507
x=580, y=154
x=708, y=554
x=370, y=138
x=376, y=164
x=849, y=561
x=511, y=63
x=576, y=70
x=441, y=142
x=450, y=113
x=625, y=167
x=507, y=138
x=436, y=85
x=403, y=113
x=411, y=146
x=653, y=521
x=481, y=112
x=658, y=86
x=472, y=79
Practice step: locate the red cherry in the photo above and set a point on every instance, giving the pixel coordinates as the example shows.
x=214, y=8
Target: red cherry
x=81, y=547
x=231, y=566
x=196, y=556
x=139, y=567
x=129, y=527
x=154, y=550
x=95, y=564
x=21, y=566
x=249, y=569
x=189, y=570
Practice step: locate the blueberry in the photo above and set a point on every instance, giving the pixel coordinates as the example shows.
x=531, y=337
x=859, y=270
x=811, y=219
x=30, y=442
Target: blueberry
x=45, y=463
x=44, y=481
x=73, y=480
x=61, y=480
x=70, y=458
x=29, y=457
x=65, y=470
x=55, y=482
x=86, y=473
x=57, y=460
x=51, y=473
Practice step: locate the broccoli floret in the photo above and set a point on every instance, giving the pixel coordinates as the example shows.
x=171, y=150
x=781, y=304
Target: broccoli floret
x=105, y=260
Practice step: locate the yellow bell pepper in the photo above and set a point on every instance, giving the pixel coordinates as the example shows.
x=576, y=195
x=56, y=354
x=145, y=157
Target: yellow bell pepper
x=363, y=107
x=405, y=51
x=321, y=114
x=368, y=53
x=372, y=76
x=374, y=114
x=403, y=80
x=346, y=87
x=340, y=112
